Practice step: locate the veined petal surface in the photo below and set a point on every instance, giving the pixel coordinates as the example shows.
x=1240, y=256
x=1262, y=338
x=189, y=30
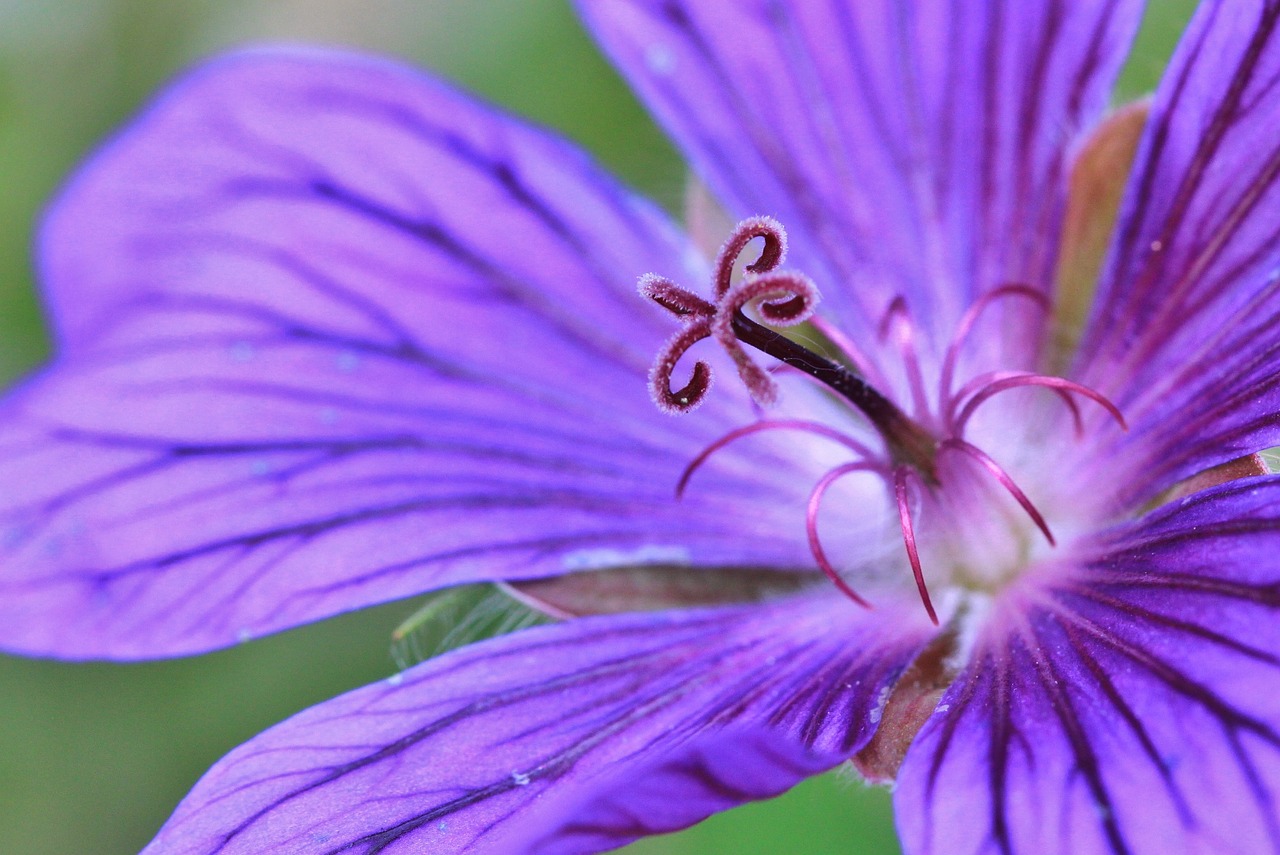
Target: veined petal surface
x=1185, y=333
x=333, y=334
x=1123, y=707
x=910, y=148
x=571, y=738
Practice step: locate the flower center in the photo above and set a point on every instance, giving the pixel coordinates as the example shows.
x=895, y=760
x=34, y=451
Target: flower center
x=917, y=454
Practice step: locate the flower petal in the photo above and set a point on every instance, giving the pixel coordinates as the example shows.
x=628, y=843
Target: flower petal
x=1124, y=706
x=1184, y=336
x=334, y=334
x=909, y=148
x=569, y=738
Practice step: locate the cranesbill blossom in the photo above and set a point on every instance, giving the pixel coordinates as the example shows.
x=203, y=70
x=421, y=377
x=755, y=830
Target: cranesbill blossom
x=986, y=519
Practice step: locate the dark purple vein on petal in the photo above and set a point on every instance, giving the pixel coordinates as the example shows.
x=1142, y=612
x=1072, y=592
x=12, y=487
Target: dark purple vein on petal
x=1130, y=612
x=988, y=171
x=693, y=769
x=1131, y=719
x=1232, y=720
x=634, y=684
x=1081, y=748
x=501, y=169
x=769, y=146
x=983, y=669
x=327, y=191
x=999, y=745
x=1141, y=295
x=1159, y=129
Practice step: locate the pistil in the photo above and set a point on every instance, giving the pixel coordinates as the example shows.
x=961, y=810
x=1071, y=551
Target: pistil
x=783, y=299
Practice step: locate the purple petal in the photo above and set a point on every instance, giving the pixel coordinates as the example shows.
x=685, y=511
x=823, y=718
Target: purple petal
x=909, y=148
x=570, y=738
x=1125, y=705
x=334, y=334
x=1184, y=336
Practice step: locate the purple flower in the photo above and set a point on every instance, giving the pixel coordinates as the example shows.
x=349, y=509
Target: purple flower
x=988, y=523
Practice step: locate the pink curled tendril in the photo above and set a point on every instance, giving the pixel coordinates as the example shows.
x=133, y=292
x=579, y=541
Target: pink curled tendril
x=867, y=463
x=695, y=316
x=782, y=298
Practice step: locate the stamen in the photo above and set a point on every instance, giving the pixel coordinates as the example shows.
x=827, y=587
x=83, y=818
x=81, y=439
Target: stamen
x=980, y=382
x=1004, y=479
x=811, y=525
x=971, y=317
x=814, y=428
x=1077, y=420
x=900, y=476
x=897, y=318
x=984, y=387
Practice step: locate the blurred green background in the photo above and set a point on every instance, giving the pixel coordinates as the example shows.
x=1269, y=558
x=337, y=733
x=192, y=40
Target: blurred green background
x=93, y=757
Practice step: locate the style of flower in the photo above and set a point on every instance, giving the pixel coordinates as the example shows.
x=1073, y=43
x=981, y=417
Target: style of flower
x=330, y=334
